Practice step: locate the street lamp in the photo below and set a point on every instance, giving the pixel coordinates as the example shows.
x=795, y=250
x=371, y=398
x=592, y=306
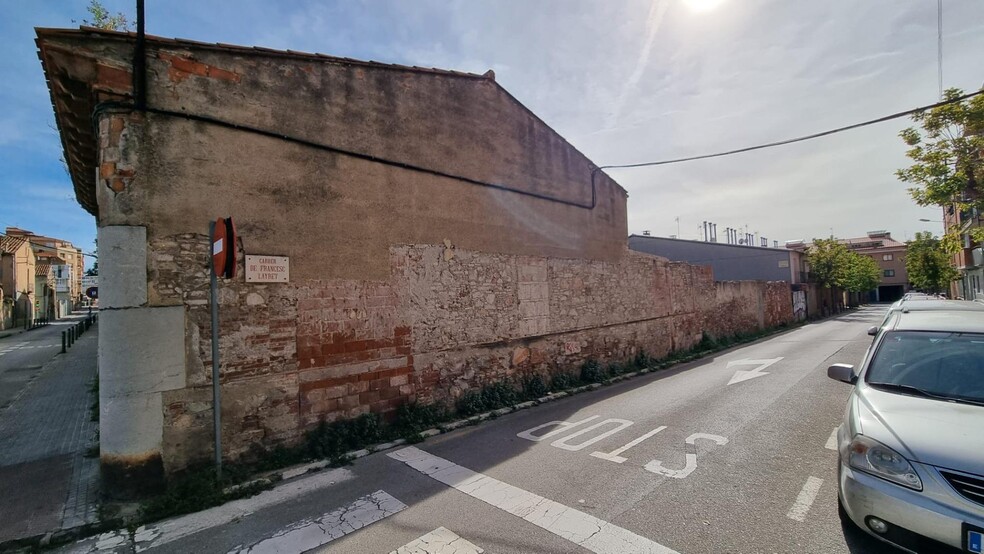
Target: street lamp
x=930, y=220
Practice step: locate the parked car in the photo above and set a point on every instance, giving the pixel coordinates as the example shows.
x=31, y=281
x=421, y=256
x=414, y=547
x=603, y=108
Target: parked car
x=911, y=446
x=924, y=304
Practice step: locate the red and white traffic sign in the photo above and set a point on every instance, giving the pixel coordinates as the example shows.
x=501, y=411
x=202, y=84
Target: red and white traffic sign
x=224, y=248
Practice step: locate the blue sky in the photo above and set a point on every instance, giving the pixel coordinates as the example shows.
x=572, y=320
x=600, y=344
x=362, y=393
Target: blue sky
x=624, y=81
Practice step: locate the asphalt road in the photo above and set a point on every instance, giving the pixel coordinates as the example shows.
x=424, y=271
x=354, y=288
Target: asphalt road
x=23, y=354
x=678, y=461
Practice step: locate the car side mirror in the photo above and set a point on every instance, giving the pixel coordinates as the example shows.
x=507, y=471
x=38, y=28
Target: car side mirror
x=872, y=331
x=842, y=372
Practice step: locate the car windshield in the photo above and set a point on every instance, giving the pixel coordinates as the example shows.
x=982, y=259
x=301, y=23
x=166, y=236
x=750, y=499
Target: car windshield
x=933, y=364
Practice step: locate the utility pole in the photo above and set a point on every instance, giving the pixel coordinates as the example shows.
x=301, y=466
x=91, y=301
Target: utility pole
x=939, y=43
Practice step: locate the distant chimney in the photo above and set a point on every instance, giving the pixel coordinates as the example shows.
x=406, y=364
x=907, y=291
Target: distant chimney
x=646, y=233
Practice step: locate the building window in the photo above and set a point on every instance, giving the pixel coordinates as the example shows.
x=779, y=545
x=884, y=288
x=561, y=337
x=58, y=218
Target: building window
x=889, y=273
x=887, y=257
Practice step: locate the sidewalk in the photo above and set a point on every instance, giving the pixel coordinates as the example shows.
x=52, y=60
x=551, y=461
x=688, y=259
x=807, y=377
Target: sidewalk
x=46, y=481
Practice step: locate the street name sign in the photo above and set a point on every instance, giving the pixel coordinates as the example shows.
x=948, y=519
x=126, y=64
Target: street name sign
x=267, y=269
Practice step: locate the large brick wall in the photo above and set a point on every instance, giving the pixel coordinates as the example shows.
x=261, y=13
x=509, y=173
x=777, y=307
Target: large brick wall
x=446, y=322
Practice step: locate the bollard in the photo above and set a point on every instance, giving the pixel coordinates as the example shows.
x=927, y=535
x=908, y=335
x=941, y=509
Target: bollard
x=64, y=345
x=69, y=333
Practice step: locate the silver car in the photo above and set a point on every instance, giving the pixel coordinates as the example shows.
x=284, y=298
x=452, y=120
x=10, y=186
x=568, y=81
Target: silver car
x=925, y=304
x=911, y=446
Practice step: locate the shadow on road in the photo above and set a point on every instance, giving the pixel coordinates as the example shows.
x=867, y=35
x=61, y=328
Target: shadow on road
x=870, y=314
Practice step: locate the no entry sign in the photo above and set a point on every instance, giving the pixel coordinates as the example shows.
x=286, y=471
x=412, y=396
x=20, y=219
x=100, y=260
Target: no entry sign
x=224, y=248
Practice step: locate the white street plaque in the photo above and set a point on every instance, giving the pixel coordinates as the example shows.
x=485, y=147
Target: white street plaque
x=267, y=269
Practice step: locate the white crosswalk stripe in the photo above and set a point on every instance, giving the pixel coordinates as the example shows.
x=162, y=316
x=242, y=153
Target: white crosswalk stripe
x=439, y=541
x=583, y=529
x=305, y=535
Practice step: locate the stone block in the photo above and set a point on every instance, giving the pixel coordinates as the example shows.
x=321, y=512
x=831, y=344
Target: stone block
x=123, y=266
x=141, y=350
x=130, y=426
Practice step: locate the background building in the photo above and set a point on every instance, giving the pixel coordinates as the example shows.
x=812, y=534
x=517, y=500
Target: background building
x=63, y=265
x=887, y=252
x=67, y=266
x=17, y=279
x=969, y=261
x=730, y=262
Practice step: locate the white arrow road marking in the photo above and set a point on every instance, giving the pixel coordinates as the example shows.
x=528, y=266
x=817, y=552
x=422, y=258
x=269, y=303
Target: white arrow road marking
x=582, y=529
x=805, y=499
x=439, y=541
x=746, y=374
x=832, y=441
x=307, y=534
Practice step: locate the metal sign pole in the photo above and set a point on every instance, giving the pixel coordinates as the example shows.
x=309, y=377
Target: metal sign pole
x=216, y=397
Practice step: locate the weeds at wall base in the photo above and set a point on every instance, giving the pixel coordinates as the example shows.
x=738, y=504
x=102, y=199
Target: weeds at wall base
x=197, y=489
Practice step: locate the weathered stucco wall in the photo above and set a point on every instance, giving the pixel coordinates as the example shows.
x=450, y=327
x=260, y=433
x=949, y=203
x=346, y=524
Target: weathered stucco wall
x=173, y=175
x=405, y=285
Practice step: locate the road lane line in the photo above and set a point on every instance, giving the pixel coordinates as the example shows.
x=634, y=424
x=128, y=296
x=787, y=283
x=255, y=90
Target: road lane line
x=439, y=541
x=312, y=533
x=582, y=529
x=832, y=441
x=805, y=499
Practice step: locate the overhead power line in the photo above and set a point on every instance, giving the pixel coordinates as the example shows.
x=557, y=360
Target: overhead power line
x=798, y=139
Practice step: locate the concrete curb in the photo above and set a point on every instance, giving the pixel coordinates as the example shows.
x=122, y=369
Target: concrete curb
x=59, y=537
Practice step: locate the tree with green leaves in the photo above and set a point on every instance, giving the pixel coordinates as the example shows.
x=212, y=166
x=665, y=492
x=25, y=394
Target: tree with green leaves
x=828, y=261
x=834, y=265
x=928, y=264
x=947, y=166
x=861, y=273
x=102, y=19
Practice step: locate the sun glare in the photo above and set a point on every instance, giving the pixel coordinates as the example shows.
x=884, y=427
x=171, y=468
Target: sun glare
x=702, y=6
